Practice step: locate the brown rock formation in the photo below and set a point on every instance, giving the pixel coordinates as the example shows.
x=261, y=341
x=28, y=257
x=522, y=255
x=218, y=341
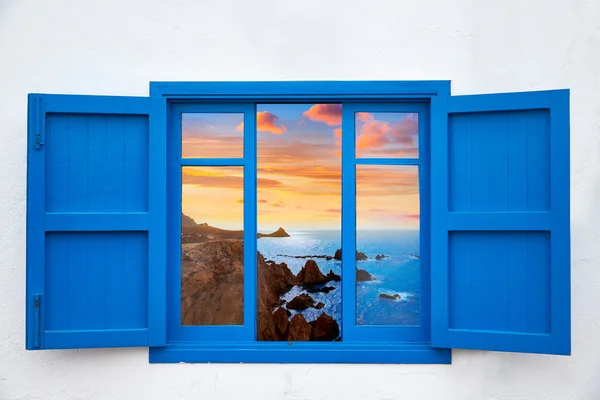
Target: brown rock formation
x=212, y=283
x=301, y=302
x=324, y=289
x=389, y=296
x=273, y=281
x=187, y=222
x=325, y=328
x=281, y=319
x=311, y=275
x=363, y=276
x=280, y=233
x=360, y=256
x=300, y=330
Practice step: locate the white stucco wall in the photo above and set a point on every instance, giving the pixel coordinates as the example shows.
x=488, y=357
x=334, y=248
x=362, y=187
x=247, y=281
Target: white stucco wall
x=117, y=46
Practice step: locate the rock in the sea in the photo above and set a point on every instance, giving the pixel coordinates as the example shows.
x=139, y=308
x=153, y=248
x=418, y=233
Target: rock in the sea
x=389, y=296
x=300, y=302
x=380, y=256
x=278, y=233
x=324, y=289
x=281, y=319
x=360, y=256
x=299, y=329
x=320, y=305
x=338, y=255
x=333, y=277
x=363, y=276
x=325, y=328
x=311, y=275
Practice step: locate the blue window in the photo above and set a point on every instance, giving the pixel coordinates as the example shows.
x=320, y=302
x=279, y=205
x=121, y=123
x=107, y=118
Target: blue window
x=362, y=222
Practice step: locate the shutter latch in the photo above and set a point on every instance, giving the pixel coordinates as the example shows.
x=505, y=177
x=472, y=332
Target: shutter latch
x=37, y=320
x=38, y=141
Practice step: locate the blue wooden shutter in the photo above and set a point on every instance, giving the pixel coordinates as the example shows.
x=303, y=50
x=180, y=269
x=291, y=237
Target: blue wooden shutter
x=500, y=215
x=96, y=222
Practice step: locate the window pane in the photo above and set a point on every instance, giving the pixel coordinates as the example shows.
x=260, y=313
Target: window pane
x=387, y=135
x=299, y=194
x=212, y=247
x=212, y=135
x=387, y=232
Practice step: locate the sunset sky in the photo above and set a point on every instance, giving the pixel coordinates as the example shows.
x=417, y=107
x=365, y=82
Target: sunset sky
x=299, y=169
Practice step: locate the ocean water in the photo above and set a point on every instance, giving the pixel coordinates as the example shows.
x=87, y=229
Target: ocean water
x=399, y=273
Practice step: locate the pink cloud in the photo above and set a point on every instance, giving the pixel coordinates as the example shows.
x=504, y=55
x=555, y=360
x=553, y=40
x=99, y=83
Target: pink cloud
x=373, y=134
x=377, y=134
x=267, y=122
x=331, y=114
x=263, y=201
x=405, y=132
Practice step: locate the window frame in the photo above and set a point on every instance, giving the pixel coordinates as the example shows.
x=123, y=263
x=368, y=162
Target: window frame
x=433, y=93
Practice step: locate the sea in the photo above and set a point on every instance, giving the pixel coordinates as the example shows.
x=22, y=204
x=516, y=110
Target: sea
x=398, y=273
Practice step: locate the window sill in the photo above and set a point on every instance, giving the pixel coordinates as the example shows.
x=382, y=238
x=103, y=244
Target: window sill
x=355, y=353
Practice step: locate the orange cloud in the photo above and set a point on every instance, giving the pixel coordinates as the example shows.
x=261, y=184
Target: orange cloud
x=241, y=201
x=278, y=204
x=337, y=133
x=316, y=172
x=221, y=177
x=263, y=201
x=364, y=116
x=267, y=122
x=331, y=114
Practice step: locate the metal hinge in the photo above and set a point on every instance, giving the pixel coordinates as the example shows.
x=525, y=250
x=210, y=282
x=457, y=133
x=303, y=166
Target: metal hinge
x=37, y=320
x=38, y=141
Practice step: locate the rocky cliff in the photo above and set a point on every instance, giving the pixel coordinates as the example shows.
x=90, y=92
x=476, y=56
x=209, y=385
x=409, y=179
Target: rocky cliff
x=187, y=222
x=212, y=283
x=212, y=287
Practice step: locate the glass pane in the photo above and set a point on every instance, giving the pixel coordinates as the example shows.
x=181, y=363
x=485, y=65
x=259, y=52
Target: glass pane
x=387, y=135
x=212, y=246
x=387, y=240
x=299, y=222
x=212, y=135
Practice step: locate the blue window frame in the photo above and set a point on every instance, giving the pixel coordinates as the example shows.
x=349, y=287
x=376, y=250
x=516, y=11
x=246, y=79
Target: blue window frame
x=494, y=230
x=233, y=333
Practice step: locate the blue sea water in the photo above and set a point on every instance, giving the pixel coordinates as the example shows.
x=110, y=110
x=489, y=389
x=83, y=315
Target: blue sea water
x=399, y=273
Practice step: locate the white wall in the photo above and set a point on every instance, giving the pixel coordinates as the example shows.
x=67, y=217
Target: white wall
x=117, y=46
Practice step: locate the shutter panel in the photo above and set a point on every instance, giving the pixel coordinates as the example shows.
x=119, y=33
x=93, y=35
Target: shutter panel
x=96, y=222
x=500, y=212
